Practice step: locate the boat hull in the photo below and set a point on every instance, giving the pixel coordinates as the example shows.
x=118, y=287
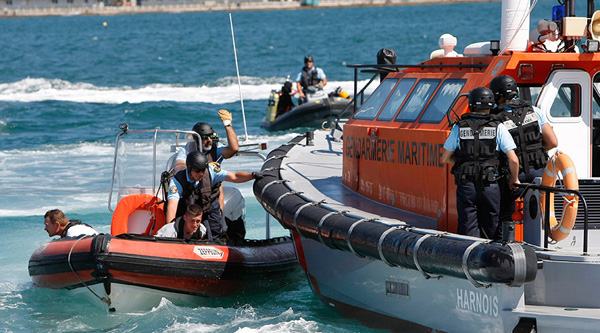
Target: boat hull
x=390, y=274
x=162, y=267
x=315, y=114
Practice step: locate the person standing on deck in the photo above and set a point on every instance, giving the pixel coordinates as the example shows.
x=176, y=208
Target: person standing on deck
x=310, y=75
x=533, y=136
x=473, y=147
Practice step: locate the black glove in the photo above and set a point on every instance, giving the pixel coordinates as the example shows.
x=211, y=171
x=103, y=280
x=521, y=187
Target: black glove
x=257, y=175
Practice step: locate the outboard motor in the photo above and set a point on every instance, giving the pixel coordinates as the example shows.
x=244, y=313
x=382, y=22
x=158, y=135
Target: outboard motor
x=234, y=214
x=386, y=57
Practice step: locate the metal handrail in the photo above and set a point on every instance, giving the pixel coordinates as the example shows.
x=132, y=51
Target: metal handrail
x=549, y=189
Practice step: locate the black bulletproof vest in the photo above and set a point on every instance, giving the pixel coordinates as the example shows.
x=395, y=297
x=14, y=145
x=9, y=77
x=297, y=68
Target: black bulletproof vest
x=476, y=157
x=309, y=78
x=203, y=195
x=524, y=126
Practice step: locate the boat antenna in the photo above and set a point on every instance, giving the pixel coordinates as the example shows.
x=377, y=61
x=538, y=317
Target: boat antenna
x=237, y=69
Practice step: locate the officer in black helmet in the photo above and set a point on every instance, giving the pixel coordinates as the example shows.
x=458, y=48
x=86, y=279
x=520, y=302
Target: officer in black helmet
x=531, y=132
x=209, y=142
x=309, y=76
x=200, y=184
x=473, y=147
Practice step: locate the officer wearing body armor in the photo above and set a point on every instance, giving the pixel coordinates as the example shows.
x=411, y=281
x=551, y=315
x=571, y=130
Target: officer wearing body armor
x=528, y=126
x=531, y=132
x=200, y=184
x=473, y=148
x=309, y=76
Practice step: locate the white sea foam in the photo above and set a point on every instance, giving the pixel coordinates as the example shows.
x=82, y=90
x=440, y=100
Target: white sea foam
x=225, y=90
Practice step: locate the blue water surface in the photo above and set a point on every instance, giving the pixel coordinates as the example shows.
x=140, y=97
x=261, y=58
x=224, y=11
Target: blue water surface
x=66, y=83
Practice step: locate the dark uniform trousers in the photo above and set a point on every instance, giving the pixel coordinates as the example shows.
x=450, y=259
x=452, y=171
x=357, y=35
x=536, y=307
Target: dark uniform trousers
x=212, y=221
x=478, y=209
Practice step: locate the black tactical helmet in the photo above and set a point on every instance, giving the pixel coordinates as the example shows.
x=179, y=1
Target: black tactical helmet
x=480, y=99
x=203, y=129
x=196, y=160
x=504, y=86
x=308, y=58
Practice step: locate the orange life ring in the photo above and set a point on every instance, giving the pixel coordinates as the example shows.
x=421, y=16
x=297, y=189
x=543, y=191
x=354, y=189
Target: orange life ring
x=133, y=203
x=562, y=163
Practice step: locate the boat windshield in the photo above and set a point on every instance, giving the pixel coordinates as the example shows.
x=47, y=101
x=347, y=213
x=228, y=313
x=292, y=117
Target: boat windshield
x=417, y=100
x=396, y=100
x=372, y=106
x=437, y=109
x=140, y=159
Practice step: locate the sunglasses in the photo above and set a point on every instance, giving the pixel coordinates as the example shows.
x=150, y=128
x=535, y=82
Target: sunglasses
x=197, y=170
x=207, y=136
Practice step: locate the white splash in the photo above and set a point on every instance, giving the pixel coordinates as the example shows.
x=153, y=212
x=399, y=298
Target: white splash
x=223, y=91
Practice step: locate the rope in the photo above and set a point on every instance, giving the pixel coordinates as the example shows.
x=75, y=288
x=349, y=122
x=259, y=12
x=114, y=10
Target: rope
x=102, y=299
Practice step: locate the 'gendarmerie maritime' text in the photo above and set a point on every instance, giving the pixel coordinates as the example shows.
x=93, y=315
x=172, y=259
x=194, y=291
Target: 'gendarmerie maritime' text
x=404, y=152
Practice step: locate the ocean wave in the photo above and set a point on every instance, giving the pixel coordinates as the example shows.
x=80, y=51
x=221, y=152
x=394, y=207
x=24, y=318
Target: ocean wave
x=224, y=90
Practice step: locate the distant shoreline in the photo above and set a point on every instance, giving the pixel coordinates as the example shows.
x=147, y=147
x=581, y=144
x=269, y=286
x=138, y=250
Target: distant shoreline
x=209, y=6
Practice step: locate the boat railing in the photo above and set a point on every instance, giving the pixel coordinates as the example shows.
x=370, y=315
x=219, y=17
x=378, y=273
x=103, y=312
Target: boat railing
x=549, y=189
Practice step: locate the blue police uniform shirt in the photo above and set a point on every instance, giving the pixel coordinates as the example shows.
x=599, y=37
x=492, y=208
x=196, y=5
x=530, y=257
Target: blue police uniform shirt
x=504, y=141
x=215, y=177
x=320, y=74
x=540, y=115
x=191, y=147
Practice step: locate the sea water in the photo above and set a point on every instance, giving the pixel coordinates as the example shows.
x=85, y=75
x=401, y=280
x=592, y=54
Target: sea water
x=66, y=83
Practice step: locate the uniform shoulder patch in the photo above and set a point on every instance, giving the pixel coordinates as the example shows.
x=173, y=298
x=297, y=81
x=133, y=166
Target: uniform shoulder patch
x=173, y=189
x=216, y=166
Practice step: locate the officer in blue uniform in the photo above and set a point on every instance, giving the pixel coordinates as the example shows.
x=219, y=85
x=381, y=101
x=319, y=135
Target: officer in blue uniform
x=194, y=185
x=473, y=147
x=309, y=76
x=531, y=132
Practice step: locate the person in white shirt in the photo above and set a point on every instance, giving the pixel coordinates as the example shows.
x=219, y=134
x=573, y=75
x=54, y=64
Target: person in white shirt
x=189, y=226
x=57, y=224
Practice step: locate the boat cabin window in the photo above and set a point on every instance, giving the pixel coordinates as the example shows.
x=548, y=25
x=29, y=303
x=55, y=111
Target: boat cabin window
x=567, y=102
x=437, y=109
x=417, y=100
x=373, y=104
x=396, y=100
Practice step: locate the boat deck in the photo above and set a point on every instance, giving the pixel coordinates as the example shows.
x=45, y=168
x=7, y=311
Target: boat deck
x=321, y=164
